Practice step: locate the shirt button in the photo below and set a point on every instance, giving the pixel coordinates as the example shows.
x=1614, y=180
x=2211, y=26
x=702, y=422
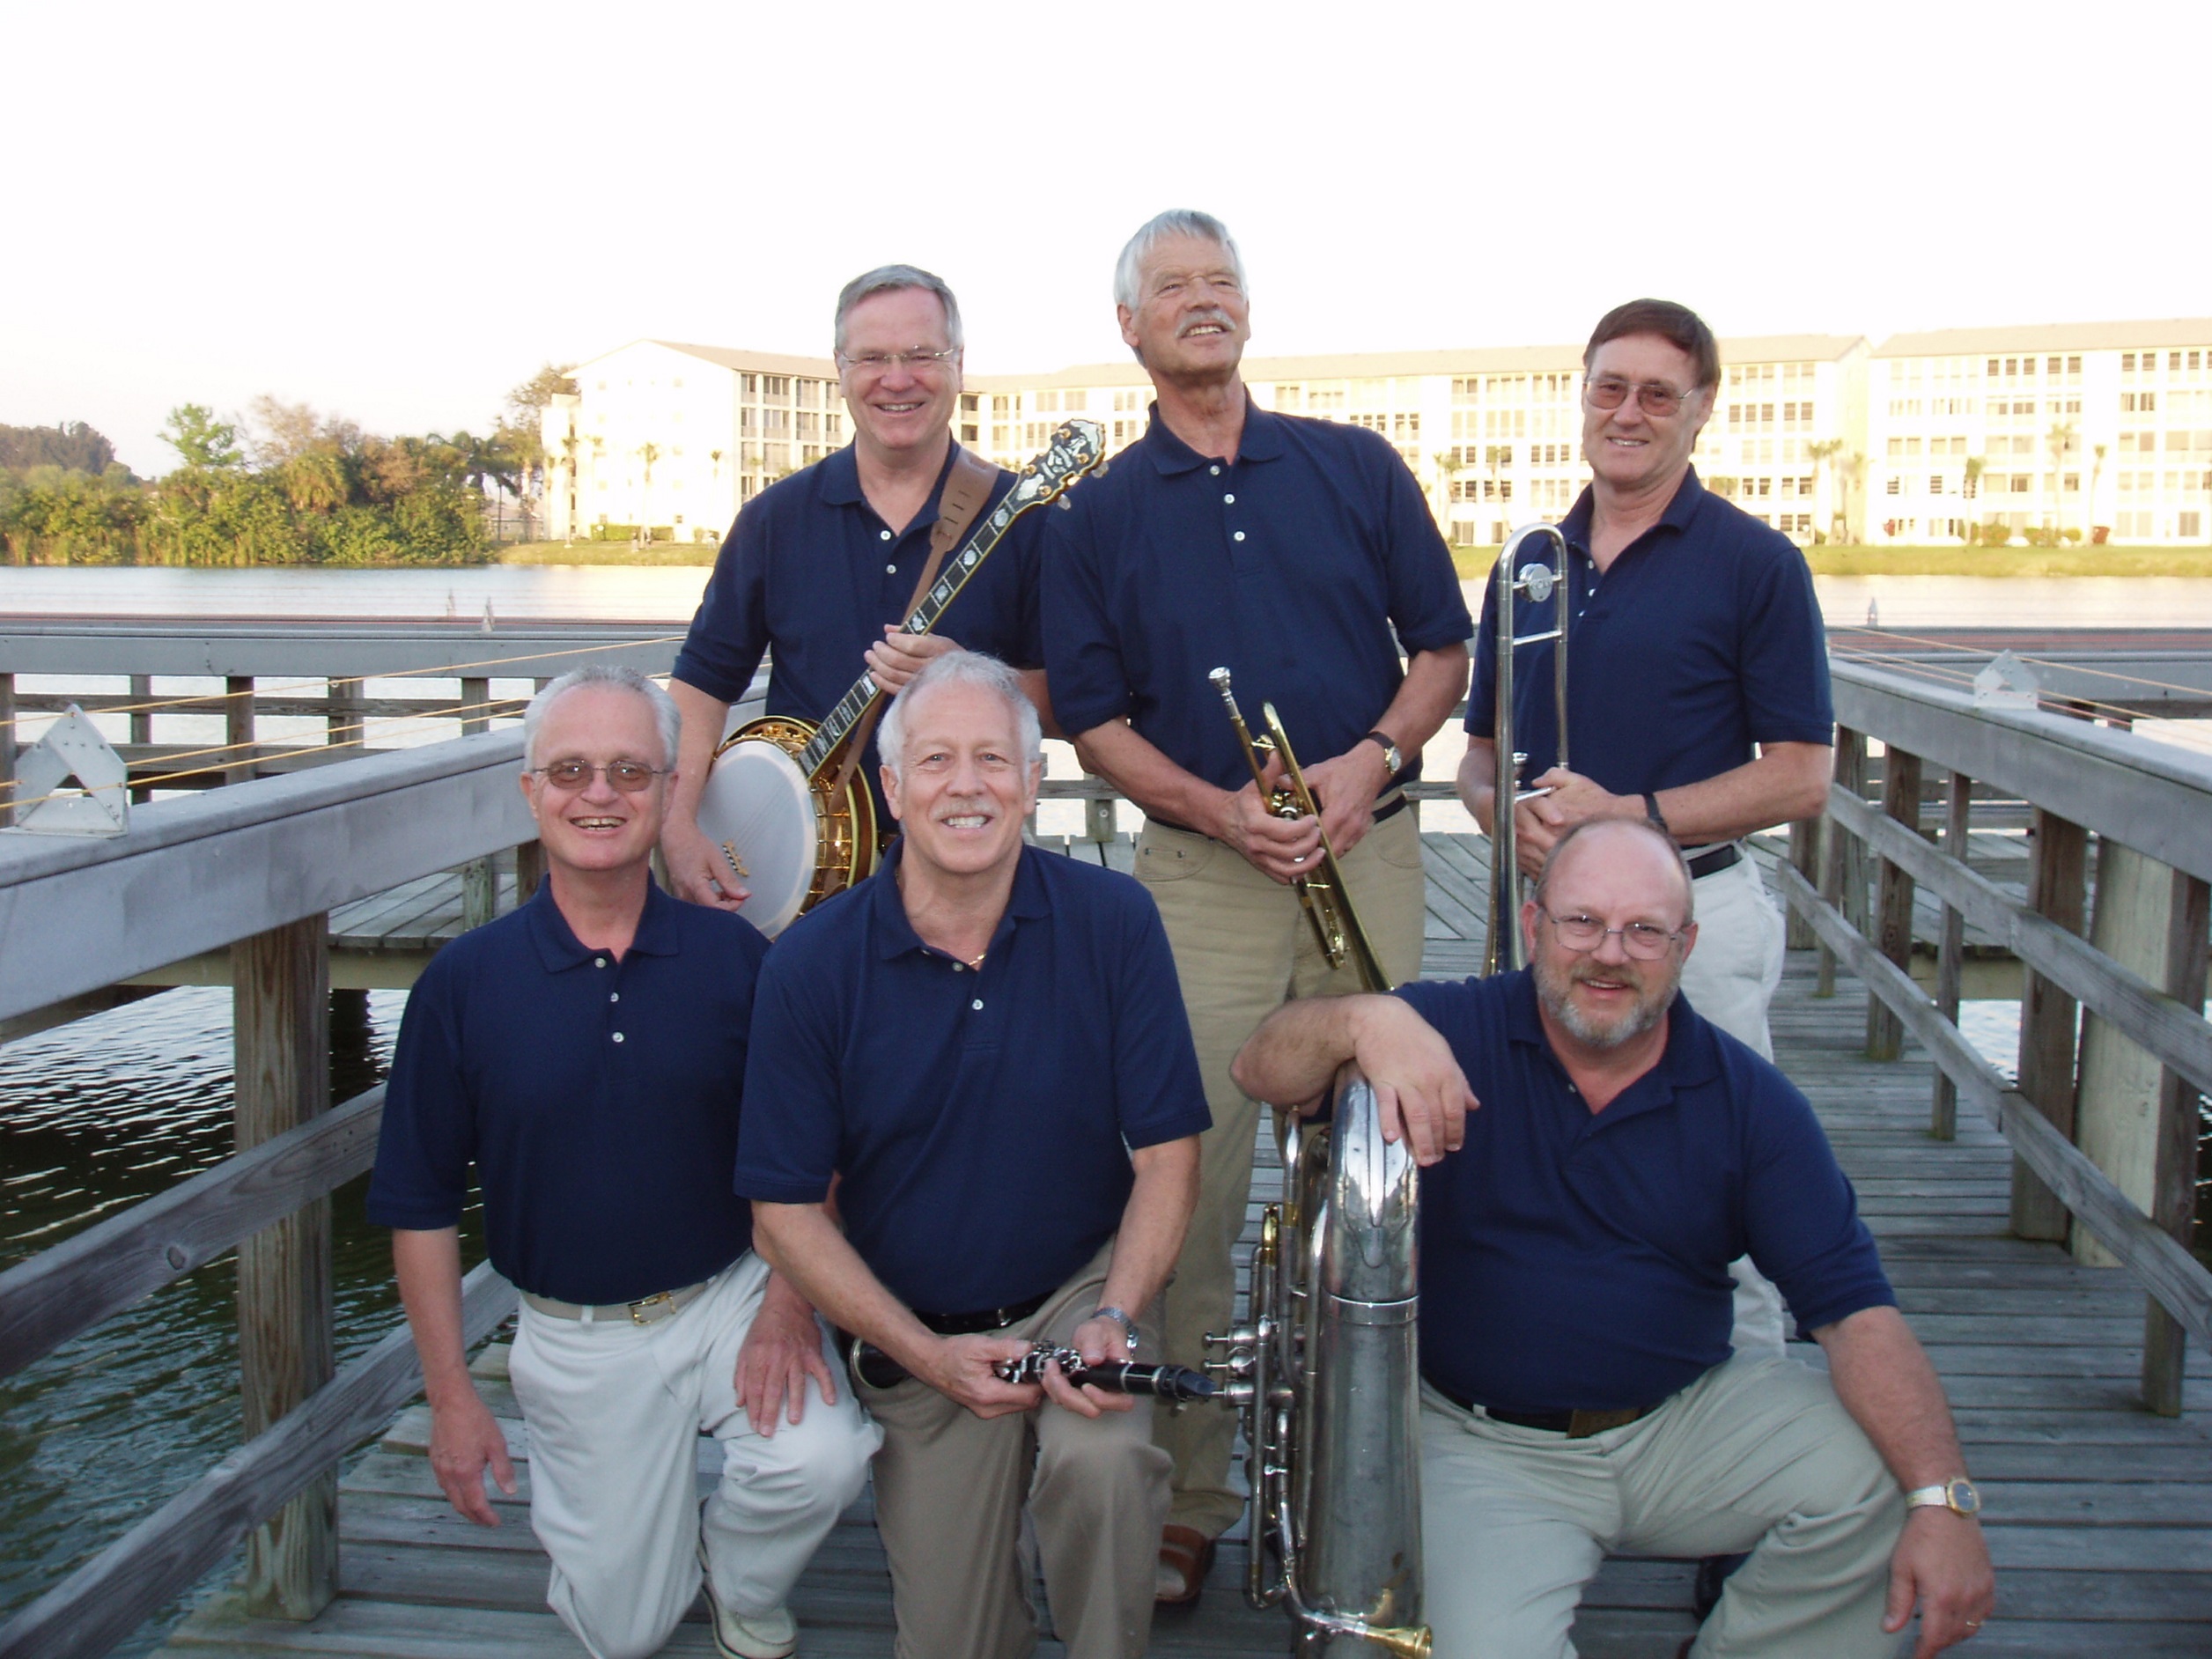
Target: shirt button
x=958, y=966
x=617, y=1037
x=1216, y=471
x=614, y=996
x=977, y=1005
x=890, y=569
x=886, y=535
x=599, y=961
x=1228, y=501
x=1240, y=535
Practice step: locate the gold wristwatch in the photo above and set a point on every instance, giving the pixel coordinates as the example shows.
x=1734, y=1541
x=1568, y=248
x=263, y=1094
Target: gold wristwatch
x=1391, y=756
x=1958, y=1494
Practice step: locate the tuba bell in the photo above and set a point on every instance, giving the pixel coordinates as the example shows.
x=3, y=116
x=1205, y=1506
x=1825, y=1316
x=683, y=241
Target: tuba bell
x=1510, y=580
x=1324, y=1372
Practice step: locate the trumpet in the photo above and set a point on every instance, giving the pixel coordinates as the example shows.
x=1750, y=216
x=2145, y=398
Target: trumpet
x=1509, y=580
x=1327, y=904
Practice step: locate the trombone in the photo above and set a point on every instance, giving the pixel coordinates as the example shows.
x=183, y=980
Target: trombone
x=1328, y=906
x=1510, y=580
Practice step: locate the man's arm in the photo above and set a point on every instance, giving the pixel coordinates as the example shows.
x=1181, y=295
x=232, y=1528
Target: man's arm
x=695, y=865
x=1419, y=1086
x=463, y=1435
x=1788, y=781
x=801, y=1241
x=1150, y=1238
x=1348, y=784
x=1883, y=1378
x=1276, y=847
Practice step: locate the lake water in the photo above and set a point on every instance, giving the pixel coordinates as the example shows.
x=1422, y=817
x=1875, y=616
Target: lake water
x=98, y=1114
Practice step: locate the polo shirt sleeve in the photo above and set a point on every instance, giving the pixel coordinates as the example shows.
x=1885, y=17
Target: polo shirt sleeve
x=1783, y=647
x=1427, y=607
x=428, y=1138
x=1082, y=646
x=729, y=632
x=1800, y=1217
x=1158, y=1092
x=788, y=1133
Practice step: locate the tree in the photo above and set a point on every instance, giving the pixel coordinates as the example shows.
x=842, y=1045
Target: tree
x=1821, y=453
x=2096, y=472
x=2063, y=441
x=71, y=445
x=521, y=430
x=285, y=431
x=1447, y=464
x=194, y=433
x=648, y=453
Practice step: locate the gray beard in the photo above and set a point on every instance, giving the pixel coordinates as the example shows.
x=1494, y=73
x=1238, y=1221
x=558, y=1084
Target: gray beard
x=1551, y=988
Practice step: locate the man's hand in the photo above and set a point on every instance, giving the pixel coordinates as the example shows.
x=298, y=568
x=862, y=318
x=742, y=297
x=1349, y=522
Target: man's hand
x=1345, y=788
x=1539, y=823
x=1098, y=1341
x=780, y=1352
x=958, y=1368
x=1281, y=849
x=699, y=869
x=1941, y=1562
x=463, y=1438
x=899, y=657
x=1420, y=1092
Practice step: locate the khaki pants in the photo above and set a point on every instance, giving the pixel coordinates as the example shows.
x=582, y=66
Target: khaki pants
x=1242, y=947
x=1756, y=1455
x=950, y=1488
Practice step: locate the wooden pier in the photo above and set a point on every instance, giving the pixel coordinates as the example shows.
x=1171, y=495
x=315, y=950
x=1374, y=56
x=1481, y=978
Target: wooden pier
x=2099, y=1513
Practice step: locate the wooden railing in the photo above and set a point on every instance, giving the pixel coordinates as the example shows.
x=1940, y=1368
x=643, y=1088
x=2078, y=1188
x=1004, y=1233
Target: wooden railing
x=2104, y=1128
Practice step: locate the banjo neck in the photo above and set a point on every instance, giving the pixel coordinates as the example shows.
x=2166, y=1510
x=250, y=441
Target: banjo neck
x=1078, y=447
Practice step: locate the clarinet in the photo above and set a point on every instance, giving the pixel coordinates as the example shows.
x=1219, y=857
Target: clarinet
x=1177, y=1382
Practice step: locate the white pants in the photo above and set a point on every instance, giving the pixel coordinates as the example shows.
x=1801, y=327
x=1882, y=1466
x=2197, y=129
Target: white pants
x=615, y=1411
x=1730, y=979
x=1756, y=1455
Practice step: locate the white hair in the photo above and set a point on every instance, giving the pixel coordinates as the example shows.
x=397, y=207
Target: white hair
x=666, y=716
x=1129, y=272
x=961, y=667
x=886, y=279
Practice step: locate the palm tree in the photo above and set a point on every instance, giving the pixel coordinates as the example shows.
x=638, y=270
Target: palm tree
x=1447, y=463
x=1821, y=452
x=2061, y=439
x=2088, y=507
x=647, y=453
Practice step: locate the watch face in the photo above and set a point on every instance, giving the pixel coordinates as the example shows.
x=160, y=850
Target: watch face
x=1961, y=1497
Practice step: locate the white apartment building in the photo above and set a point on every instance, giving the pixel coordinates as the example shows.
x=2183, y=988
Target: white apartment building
x=2095, y=432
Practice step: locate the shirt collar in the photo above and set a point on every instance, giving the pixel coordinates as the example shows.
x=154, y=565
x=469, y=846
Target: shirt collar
x=1689, y=496
x=559, y=949
x=840, y=484
x=1262, y=440
x=894, y=935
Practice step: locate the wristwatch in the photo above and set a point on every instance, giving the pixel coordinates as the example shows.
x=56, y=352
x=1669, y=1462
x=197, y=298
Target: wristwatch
x=1390, y=754
x=1128, y=1326
x=1958, y=1494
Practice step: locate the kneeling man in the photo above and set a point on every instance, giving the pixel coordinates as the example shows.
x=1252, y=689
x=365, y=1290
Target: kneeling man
x=1576, y=1232
x=983, y=1048
x=586, y=1053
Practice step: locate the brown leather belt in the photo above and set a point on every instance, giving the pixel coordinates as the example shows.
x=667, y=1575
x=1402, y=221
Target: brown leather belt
x=1575, y=1424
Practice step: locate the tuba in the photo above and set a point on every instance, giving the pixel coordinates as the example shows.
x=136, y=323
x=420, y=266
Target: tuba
x=1509, y=580
x=1324, y=1371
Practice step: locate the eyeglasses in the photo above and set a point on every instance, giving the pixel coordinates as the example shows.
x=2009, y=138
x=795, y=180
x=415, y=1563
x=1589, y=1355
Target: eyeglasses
x=1655, y=396
x=628, y=775
x=884, y=362
x=1643, y=940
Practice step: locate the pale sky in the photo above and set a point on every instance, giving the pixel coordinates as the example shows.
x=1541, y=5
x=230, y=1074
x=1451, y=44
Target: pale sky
x=397, y=212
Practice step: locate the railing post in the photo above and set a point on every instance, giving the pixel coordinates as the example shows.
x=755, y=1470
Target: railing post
x=529, y=870
x=2173, y=1187
x=7, y=749
x=281, y=1004
x=2057, y=890
x=479, y=877
x=1806, y=839
x=1893, y=924
x=1950, y=957
x=1842, y=860
x=238, y=727
x=141, y=724
x=343, y=724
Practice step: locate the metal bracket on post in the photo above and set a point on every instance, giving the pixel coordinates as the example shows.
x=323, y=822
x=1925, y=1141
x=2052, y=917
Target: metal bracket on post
x=73, y=751
x=2007, y=682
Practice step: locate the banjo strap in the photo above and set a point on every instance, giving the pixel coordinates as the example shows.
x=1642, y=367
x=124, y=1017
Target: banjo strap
x=967, y=492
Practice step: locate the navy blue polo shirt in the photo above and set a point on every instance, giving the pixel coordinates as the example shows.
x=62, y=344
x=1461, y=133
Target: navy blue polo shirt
x=1702, y=641
x=597, y=1099
x=809, y=572
x=1290, y=566
x=981, y=1120
x=1578, y=1261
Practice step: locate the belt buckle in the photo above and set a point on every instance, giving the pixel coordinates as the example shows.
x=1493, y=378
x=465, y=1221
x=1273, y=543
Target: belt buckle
x=664, y=1301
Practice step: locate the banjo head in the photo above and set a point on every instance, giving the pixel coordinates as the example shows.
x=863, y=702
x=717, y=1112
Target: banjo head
x=757, y=801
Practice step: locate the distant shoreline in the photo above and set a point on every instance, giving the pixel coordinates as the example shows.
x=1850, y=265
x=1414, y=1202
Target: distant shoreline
x=1995, y=563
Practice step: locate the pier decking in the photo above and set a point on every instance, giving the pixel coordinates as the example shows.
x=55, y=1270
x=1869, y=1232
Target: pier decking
x=2099, y=1515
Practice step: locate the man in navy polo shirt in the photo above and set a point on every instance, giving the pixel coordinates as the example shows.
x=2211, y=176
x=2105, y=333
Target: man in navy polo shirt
x=1575, y=1232
x=820, y=569
x=983, y=1050
x=1300, y=554
x=584, y=1054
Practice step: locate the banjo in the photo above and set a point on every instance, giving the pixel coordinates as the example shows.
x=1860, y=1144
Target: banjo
x=795, y=823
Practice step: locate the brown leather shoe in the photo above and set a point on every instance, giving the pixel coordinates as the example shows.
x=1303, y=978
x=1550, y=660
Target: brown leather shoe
x=1186, y=1555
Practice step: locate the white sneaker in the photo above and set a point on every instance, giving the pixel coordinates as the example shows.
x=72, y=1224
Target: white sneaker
x=769, y=1635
